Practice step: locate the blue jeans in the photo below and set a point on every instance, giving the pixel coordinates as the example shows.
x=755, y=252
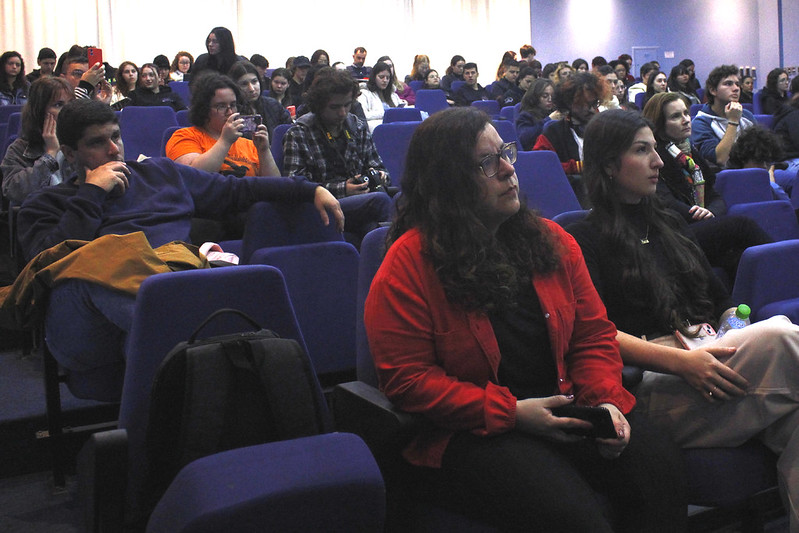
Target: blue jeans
x=363, y=212
x=87, y=324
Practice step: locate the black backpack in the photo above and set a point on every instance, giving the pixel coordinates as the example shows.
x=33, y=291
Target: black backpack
x=228, y=392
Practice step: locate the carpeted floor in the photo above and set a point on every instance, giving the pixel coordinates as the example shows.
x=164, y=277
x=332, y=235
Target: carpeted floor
x=29, y=504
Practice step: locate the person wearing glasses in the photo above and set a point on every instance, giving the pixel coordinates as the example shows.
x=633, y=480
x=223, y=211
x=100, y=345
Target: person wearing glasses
x=577, y=99
x=216, y=142
x=482, y=318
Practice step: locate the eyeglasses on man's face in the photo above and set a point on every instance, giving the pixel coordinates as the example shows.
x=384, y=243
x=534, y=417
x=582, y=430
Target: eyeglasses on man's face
x=490, y=163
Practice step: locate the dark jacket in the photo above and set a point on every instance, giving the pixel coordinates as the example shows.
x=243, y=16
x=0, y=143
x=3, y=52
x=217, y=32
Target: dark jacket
x=142, y=97
x=557, y=137
x=677, y=194
x=528, y=128
x=771, y=101
x=786, y=125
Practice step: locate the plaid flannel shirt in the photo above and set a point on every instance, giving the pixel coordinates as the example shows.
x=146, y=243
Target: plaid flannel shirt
x=303, y=153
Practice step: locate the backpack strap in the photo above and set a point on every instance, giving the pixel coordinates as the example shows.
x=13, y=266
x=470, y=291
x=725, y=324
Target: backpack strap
x=291, y=387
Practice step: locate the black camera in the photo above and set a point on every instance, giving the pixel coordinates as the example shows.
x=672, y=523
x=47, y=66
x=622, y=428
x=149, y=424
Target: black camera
x=372, y=177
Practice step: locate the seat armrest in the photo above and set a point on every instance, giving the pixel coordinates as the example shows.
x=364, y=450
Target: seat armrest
x=103, y=479
x=364, y=410
x=631, y=376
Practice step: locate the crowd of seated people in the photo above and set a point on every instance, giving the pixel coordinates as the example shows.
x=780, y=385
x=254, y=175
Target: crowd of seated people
x=331, y=146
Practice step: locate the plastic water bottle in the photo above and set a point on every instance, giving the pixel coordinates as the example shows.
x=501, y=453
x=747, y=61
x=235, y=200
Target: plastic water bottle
x=734, y=319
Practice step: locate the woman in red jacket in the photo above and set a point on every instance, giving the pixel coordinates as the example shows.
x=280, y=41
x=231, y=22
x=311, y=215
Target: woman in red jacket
x=483, y=318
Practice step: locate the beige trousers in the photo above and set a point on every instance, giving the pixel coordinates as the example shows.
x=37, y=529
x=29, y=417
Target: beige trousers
x=768, y=357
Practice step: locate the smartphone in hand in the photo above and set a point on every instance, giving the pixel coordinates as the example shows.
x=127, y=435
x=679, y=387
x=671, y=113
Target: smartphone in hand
x=598, y=416
x=95, y=56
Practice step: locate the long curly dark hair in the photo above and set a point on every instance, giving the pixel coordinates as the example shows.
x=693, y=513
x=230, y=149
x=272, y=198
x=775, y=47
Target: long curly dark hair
x=441, y=193
x=675, y=302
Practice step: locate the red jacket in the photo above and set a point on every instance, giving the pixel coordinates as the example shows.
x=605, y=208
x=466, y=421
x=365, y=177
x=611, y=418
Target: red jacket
x=435, y=358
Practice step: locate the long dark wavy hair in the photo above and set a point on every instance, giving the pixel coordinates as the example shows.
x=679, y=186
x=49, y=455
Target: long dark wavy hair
x=675, y=302
x=441, y=193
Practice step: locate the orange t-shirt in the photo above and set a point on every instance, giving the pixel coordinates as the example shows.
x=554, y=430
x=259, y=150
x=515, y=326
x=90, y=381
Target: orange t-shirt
x=195, y=141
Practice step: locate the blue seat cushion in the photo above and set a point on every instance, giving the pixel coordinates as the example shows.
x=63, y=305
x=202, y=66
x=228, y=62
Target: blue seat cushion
x=724, y=476
x=789, y=308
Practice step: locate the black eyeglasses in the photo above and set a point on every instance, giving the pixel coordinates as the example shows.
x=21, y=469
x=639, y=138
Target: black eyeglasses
x=224, y=108
x=490, y=163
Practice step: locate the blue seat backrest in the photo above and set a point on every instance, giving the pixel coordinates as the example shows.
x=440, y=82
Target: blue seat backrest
x=8, y=110
x=767, y=273
x=5, y=112
x=544, y=184
x=283, y=224
x=166, y=136
x=507, y=131
x=457, y=84
x=757, y=102
x=416, y=85
x=738, y=186
x=508, y=113
x=14, y=124
x=182, y=89
x=491, y=107
x=373, y=248
x=143, y=129
x=277, y=144
x=322, y=282
x=402, y=114
x=431, y=100
x=767, y=121
x=776, y=217
x=182, y=117
x=391, y=141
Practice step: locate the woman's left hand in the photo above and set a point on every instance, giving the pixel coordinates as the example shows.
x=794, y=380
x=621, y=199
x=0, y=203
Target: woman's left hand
x=700, y=213
x=612, y=448
x=261, y=138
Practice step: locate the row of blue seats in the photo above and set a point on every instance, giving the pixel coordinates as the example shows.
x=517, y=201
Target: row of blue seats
x=298, y=268
x=719, y=476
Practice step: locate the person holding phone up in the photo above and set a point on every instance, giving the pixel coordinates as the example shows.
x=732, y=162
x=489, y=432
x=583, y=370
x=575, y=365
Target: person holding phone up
x=216, y=142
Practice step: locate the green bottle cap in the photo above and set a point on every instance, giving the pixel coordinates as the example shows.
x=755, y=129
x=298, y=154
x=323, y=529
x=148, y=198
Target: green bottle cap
x=743, y=311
